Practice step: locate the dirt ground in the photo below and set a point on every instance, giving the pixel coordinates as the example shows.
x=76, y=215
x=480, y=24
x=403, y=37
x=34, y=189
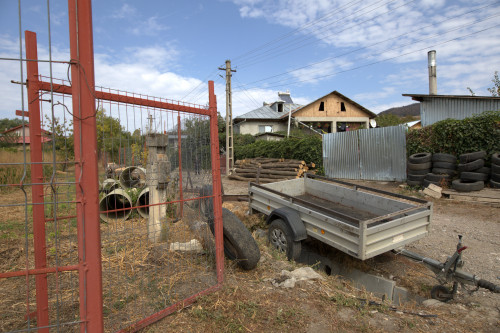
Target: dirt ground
x=249, y=302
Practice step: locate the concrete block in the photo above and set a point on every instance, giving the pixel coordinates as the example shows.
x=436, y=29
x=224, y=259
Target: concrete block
x=435, y=188
x=432, y=193
x=375, y=284
x=399, y=295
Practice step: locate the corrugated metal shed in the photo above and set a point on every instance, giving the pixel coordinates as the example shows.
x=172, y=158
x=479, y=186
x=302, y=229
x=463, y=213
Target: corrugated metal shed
x=434, y=108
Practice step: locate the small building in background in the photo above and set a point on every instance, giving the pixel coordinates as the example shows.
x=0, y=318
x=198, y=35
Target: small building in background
x=15, y=135
x=434, y=108
x=413, y=124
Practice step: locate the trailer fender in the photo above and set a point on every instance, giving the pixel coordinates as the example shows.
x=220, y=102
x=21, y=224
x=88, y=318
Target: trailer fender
x=292, y=218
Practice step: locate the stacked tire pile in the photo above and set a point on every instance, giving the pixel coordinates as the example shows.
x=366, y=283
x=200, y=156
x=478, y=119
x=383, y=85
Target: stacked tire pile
x=443, y=170
x=419, y=165
x=473, y=173
x=495, y=171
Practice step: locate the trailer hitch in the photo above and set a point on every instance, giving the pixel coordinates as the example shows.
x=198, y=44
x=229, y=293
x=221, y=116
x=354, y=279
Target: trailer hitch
x=450, y=272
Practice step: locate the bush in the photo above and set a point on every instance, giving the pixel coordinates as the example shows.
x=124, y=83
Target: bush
x=452, y=136
x=308, y=149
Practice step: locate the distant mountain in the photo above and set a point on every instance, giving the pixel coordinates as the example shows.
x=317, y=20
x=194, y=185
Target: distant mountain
x=403, y=111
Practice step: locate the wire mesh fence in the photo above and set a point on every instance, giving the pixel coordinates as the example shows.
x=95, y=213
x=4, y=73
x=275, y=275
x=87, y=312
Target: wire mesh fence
x=118, y=246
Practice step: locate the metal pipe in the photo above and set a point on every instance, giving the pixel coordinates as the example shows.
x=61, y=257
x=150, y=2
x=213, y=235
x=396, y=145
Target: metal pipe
x=431, y=55
x=115, y=206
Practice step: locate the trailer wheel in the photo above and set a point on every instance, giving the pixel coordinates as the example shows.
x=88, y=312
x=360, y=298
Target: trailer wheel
x=441, y=293
x=281, y=238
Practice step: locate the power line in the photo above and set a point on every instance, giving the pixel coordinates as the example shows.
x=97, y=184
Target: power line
x=380, y=42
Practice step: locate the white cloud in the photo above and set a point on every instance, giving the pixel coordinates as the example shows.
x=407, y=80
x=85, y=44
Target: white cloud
x=149, y=27
x=125, y=11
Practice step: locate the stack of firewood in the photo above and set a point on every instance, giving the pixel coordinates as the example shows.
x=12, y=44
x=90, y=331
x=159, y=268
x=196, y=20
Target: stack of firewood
x=268, y=170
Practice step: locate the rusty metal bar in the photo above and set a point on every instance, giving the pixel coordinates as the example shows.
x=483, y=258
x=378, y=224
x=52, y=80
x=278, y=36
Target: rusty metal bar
x=39, y=271
x=179, y=143
x=86, y=172
x=42, y=299
x=64, y=89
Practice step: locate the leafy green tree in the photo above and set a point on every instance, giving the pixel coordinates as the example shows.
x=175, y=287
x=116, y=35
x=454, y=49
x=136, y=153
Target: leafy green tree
x=7, y=123
x=388, y=119
x=495, y=90
x=111, y=136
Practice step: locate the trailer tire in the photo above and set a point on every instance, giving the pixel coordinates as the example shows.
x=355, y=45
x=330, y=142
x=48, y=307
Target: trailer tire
x=441, y=293
x=239, y=244
x=441, y=157
x=469, y=157
x=281, y=238
x=420, y=158
x=495, y=158
x=465, y=186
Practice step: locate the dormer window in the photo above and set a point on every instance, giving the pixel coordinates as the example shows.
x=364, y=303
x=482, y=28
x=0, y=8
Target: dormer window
x=280, y=107
x=322, y=106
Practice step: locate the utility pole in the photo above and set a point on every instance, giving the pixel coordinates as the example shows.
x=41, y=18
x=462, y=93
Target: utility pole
x=229, y=118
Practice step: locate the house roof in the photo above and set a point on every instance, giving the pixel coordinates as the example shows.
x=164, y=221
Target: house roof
x=421, y=97
x=266, y=112
x=411, y=123
x=335, y=92
x=18, y=127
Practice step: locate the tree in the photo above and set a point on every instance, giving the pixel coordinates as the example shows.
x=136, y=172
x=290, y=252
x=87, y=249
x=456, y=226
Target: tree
x=388, y=119
x=7, y=123
x=495, y=90
x=111, y=136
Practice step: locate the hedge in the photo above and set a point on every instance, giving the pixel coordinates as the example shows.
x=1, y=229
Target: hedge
x=452, y=136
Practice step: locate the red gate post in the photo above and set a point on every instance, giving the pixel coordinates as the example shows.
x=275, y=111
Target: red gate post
x=42, y=300
x=216, y=182
x=179, y=143
x=86, y=172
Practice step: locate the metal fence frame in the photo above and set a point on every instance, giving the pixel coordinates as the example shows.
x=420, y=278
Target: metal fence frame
x=369, y=154
x=84, y=95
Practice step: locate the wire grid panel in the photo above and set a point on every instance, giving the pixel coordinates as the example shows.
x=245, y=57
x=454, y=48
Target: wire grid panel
x=38, y=227
x=157, y=247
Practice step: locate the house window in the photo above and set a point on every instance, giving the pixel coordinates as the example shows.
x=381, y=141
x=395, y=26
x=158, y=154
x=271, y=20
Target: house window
x=280, y=107
x=322, y=106
x=265, y=128
x=342, y=106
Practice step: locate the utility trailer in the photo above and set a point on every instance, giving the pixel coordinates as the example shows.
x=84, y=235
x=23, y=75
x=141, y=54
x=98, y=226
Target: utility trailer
x=360, y=221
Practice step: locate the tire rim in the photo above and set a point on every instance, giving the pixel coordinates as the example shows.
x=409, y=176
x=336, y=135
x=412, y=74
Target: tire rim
x=279, y=240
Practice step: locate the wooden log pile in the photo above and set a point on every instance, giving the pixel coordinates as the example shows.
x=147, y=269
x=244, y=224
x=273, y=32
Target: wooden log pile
x=268, y=170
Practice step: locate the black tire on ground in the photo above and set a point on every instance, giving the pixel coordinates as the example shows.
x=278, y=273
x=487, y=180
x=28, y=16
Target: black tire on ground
x=419, y=166
x=485, y=170
x=495, y=177
x=413, y=182
x=427, y=182
x=494, y=184
x=495, y=158
x=418, y=172
x=441, y=157
x=207, y=204
x=420, y=158
x=440, y=171
x=281, y=238
x=467, y=186
x=441, y=293
x=239, y=243
x=473, y=176
x=495, y=168
x=444, y=165
x=469, y=157
x=437, y=178
x=471, y=166
x=418, y=178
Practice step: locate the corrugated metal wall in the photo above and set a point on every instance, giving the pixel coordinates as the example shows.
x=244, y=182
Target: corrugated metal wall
x=370, y=154
x=436, y=109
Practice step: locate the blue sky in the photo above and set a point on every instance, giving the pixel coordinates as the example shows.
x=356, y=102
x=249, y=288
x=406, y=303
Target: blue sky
x=372, y=51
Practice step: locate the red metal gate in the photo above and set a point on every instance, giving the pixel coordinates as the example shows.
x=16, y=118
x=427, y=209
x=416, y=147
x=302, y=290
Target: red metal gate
x=110, y=248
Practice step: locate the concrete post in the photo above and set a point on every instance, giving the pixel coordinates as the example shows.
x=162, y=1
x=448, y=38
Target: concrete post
x=157, y=178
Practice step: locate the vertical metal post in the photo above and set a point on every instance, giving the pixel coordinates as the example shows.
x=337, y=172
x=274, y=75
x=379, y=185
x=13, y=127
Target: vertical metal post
x=431, y=55
x=216, y=182
x=86, y=172
x=42, y=301
x=181, y=203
